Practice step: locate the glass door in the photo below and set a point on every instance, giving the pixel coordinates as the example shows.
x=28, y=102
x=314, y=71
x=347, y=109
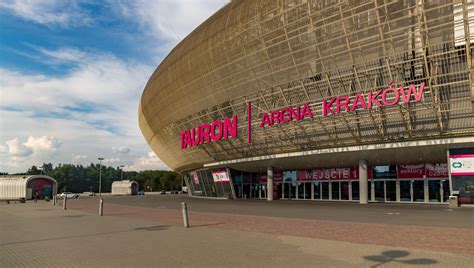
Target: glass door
x=390, y=190
x=288, y=190
x=307, y=190
x=304, y=190
x=355, y=190
x=317, y=190
x=379, y=189
x=405, y=191
x=446, y=190
x=344, y=190
x=418, y=191
x=325, y=190
x=335, y=191
x=434, y=191
x=262, y=191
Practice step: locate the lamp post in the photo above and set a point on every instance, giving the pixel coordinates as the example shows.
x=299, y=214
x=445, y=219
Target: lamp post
x=101, y=201
x=121, y=173
x=100, y=176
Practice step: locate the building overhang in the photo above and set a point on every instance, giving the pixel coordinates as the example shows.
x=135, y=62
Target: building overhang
x=406, y=152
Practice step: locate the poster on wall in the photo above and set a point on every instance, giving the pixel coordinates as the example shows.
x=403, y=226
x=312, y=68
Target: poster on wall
x=462, y=164
x=411, y=171
x=220, y=176
x=289, y=176
x=277, y=176
x=195, y=177
x=385, y=172
x=434, y=171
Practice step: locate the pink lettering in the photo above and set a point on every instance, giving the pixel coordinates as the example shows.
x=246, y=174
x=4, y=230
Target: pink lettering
x=265, y=121
x=342, y=102
x=327, y=107
x=373, y=98
x=386, y=91
x=412, y=90
x=358, y=102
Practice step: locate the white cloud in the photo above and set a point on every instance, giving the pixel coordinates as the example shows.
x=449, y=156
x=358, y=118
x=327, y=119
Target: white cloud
x=43, y=143
x=111, y=160
x=169, y=20
x=17, y=149
x=79, y=159
x=149, y=162
x=90, y=109
x=121, y=150
x=48, y=12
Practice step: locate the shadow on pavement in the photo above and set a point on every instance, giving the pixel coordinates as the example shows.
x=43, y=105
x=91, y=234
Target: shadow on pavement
x=119, y=214
x=395, y=256
x=151, y=228
x=154, y=228
x=204, y=225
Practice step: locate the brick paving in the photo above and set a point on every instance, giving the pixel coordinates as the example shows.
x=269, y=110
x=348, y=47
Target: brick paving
x=40, y=235
x=444, y=239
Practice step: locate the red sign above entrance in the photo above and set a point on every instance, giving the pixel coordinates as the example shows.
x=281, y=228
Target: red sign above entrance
x=328, y=174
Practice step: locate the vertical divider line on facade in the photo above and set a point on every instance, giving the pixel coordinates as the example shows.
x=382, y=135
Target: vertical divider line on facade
x=249, y=122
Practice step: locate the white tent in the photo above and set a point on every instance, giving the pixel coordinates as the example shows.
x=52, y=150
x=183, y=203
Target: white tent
x=125, y=187
x=27, y=186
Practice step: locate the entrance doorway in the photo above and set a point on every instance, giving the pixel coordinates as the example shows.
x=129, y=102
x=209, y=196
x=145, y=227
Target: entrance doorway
x=288, y=190
x=304, y=190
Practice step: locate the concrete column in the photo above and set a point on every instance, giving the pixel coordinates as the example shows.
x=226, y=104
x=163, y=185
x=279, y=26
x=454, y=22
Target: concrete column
x=270, y=183
x=363, y=182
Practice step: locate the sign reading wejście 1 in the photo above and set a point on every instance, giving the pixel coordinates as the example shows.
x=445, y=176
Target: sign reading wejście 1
x=227, y=128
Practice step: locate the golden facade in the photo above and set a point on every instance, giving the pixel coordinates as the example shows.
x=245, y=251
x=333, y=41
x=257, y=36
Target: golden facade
x=277, y=54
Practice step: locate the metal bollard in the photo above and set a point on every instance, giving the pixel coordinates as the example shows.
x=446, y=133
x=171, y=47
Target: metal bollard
x=55, y=199
x=101, y=207
x=185, y=214
x=65, y=203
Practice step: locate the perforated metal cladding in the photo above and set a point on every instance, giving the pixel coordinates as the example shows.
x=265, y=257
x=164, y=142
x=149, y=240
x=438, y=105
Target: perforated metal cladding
x=281, y=53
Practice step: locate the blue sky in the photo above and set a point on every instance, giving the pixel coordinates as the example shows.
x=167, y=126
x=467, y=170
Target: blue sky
x=72, y=72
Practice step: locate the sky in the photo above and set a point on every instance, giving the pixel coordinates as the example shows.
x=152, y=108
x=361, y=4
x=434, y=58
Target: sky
x=72, y=73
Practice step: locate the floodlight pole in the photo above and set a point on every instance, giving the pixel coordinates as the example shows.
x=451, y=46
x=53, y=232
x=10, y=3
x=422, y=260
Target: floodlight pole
x=101, y=201
x=100, y=176
x=121, y=173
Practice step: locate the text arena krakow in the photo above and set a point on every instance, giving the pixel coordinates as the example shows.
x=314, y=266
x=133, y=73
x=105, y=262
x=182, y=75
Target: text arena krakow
x=227, y=128
x=348, y=101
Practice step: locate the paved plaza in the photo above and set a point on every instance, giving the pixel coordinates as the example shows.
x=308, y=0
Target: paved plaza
x=147, y=231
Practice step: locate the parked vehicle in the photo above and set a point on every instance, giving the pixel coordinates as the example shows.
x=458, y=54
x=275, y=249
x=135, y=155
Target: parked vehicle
x=68, y=195
x=141, y=193
x=162, y=192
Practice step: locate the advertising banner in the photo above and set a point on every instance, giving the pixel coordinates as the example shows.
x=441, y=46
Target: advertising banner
x=436, y=170
x=277, y=176
x=411, y=171
x=220, y=176
x=195, y=177
x=289, y=176
x=385, y=172
x=462, y=164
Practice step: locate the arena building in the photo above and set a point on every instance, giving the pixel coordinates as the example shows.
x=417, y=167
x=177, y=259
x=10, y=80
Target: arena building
x=367, y=101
